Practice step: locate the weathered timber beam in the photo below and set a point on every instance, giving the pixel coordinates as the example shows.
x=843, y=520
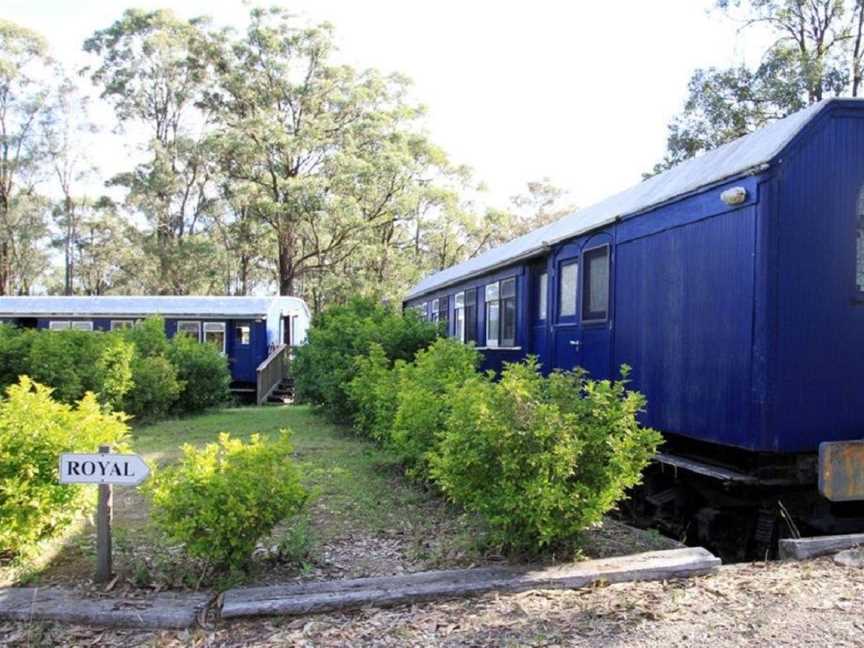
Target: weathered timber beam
x=804, y=548
x=428, y=586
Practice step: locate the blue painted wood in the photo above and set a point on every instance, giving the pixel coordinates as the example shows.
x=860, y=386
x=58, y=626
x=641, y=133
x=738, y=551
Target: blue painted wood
x=742, y=323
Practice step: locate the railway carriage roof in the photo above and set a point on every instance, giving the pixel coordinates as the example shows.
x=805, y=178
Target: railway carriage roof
x=738, y=157
x=133, y=306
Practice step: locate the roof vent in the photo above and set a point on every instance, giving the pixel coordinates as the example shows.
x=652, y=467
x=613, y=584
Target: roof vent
x=734, y=196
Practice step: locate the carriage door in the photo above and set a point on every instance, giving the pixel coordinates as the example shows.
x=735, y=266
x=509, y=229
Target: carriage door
x=242, y=354
x=566, y=330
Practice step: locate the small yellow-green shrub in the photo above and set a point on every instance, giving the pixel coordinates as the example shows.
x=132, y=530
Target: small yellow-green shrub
x=541, y=458
x=34, y=430
x=222, y=498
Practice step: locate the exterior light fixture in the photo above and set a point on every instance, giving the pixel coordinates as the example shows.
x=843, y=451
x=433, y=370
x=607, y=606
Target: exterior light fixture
x=734, y=196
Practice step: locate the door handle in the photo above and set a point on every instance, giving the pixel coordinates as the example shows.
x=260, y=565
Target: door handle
x=576, y=343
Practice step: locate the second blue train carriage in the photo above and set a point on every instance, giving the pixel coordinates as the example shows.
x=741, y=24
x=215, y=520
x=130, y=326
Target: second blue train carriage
x=248, y=330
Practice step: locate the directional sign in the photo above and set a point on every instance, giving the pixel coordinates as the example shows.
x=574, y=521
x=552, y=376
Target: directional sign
x=128, y=470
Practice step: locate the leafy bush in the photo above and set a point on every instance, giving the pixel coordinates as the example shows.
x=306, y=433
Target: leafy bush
x=34, y=430
x=155, y=388
x=75, y=362
x=14, y=349
x=325, y=366
x=374, y=394
x=221, y=499
x=423, y=400
x=202, y=372
x=148, y=336
x=541, y=458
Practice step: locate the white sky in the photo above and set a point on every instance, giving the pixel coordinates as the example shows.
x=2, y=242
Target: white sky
x=574, y=90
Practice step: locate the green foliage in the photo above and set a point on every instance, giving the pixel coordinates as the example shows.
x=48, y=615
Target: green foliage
x=541, y=458
x=75, y=362
x=222, y=498
x=156, y=388
x=14, y=349
x=148, y=336
x=202, y=372
x=325, y=366
x=34, y=430
x=423, y=400
x=374, y=393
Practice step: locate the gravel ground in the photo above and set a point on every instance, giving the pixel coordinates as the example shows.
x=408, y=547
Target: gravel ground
x=815, y=603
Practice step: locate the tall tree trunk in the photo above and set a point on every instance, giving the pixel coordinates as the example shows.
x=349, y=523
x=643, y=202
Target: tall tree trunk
x=286, y=262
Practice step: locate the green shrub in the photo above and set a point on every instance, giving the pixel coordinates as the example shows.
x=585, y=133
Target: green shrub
x=75, y=362
x=148, y=336
x=14, y=349
x=222, y=498
x=325, y=366
x=202, y=372
x=34, y=430
x=374, y=394
x=423, y=400
x=541, y=458
x=155, y=388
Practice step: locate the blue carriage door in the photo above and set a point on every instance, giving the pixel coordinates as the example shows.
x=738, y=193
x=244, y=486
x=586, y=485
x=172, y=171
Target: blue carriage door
x=539, y=314
x=242, y=355
x=595, y=304
x=565, y=330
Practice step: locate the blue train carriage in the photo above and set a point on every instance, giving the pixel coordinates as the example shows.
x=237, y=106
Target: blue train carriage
x=733, y=284
x=255, y=333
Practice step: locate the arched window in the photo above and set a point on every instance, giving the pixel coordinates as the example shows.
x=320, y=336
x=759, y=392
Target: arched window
x=859, y=242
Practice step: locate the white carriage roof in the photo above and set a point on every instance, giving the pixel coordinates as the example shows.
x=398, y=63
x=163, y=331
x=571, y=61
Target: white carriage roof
x=725, y=162
x=131, y=306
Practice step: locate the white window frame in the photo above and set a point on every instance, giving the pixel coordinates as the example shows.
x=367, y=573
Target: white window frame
x=81, y=325
x=459, y=315
x=218, y=327
x=543, y=297
x=59, y=325
x=197, y=325
x=491, y=296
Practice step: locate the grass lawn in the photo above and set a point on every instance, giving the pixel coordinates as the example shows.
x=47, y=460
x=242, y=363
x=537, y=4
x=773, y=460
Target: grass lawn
x=364, y=518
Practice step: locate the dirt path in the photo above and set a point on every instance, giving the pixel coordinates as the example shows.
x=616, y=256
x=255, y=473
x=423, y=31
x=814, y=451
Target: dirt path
x=815, y=603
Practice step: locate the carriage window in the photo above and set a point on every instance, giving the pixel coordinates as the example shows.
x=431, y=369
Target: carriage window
x=58, y=325
x=508, y=312
x=501, y=313
x=492, y=315
x=82, y=325
x=121, y=324
x=859, y=251
x=567, y=294
x=214, y=333
x=542, y=287
x=595, y=284
x=470, y=315
x=459, y=316
x=443, y=313
x=192, y=329
x=243, y=334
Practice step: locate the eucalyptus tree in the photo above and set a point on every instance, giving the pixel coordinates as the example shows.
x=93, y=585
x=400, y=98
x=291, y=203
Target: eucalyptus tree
x=328, y=157
x=25, y=76
x=154, y=68
x=816, y=51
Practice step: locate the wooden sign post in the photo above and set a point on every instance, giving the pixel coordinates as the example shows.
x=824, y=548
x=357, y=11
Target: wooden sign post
x=106, y=470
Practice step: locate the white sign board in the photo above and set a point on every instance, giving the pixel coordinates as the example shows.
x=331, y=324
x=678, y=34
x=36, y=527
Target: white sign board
x=127, y=470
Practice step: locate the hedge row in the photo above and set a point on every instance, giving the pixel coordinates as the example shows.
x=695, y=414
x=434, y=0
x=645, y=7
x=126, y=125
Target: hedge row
x=137, y=370
x=541, y=458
